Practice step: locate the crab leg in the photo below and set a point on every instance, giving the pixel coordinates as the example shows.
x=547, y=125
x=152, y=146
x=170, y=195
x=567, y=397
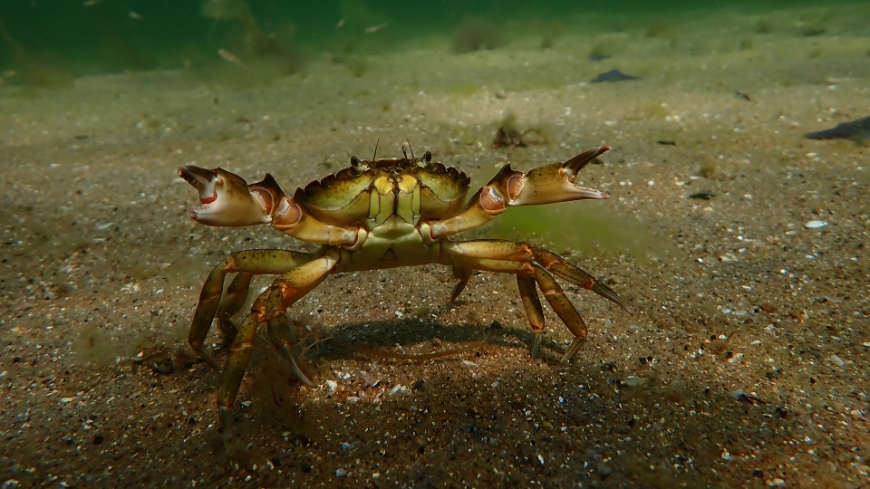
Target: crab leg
x=564, y=270
x=543, y=185
x=253, y=262
x=532, y=265
x=269, y=307
x=463, y=275
x=233, y=300
x=534, y=310
x=563, y=308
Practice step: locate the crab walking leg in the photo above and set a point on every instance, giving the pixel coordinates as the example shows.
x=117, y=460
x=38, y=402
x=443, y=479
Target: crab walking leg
x=288, y=288
x=534, y=310
x=252, y=261
x=237, y=361
x=233, y=300
x=509, y=188
x=562, y=269
x=463, y=275
x=564, y=309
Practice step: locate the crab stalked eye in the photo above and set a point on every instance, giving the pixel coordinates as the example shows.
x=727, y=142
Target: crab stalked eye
x=427, y=157
x=354, y=161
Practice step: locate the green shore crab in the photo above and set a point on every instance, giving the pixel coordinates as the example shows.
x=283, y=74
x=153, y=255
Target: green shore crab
x=377, y=214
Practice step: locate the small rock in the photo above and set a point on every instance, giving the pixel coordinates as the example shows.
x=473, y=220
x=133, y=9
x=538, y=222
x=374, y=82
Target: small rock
x=768, y=308
x=737, y=359
x=837, y=361
x=603, y=470
x=340, y=473
x=332, y=386
x=815, y=224
x=776, y=482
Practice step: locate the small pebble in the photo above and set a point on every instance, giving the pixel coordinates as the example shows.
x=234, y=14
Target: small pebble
x=331, y=385
x=340, y=473
x=603, y=469
x=776, y=482
x=837, y=361
x=815, y=224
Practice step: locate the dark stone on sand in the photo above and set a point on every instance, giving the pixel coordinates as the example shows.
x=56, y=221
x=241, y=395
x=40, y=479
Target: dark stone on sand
x=858, y=131
x=613, y=76
x=702, y=195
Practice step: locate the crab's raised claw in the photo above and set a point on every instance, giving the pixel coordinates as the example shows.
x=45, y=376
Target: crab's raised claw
x=227, y=200
x=509, y=188
x=551, y=183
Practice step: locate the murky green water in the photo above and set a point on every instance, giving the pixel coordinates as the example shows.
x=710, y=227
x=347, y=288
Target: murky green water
x=49, y=43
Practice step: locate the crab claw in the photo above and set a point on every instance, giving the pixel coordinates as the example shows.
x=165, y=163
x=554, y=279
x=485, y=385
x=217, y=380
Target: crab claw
x=509, y=188
x=548, y=184
x=227, y=200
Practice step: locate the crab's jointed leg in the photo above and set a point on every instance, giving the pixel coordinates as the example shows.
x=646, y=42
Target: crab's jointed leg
x=564, y=309
x=532, y=266
x=270, y=307
x=234, y=299
x=462, y=275
x=543, y=185
x=534, y=310
x=247, y=263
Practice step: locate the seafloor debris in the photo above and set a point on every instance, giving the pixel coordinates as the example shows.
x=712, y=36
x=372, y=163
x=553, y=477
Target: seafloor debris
x=613, y=76
x=858, y=131
x=509, y=135
x=477, y=33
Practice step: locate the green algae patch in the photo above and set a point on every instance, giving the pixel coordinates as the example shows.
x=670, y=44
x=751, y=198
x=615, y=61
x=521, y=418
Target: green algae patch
x=573, y=231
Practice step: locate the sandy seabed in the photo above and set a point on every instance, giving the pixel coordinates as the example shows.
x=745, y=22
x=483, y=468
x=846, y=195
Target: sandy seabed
x=744, y=364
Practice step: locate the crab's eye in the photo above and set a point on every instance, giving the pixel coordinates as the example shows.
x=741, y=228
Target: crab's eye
x=354, y=161
x=427, y=156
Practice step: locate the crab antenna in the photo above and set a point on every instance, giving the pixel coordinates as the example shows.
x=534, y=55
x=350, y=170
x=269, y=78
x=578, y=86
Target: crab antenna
x=375, y=156
x=411, y=148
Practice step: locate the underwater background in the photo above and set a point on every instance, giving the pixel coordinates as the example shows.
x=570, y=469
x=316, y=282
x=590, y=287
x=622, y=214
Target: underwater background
x=736, y=229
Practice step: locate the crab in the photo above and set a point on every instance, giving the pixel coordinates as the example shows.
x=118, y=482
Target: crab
x=376, y=214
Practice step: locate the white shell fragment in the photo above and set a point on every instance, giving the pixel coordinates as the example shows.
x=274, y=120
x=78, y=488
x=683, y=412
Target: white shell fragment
x=815, y=224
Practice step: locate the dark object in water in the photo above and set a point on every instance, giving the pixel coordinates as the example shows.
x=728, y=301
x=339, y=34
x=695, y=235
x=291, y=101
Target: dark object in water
x=858, y=131
x=745, y=96
x=665, y=142
x=702, y=195
x=612, y=76
x=476, y=33
x=598, y=56
x=508, y=136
